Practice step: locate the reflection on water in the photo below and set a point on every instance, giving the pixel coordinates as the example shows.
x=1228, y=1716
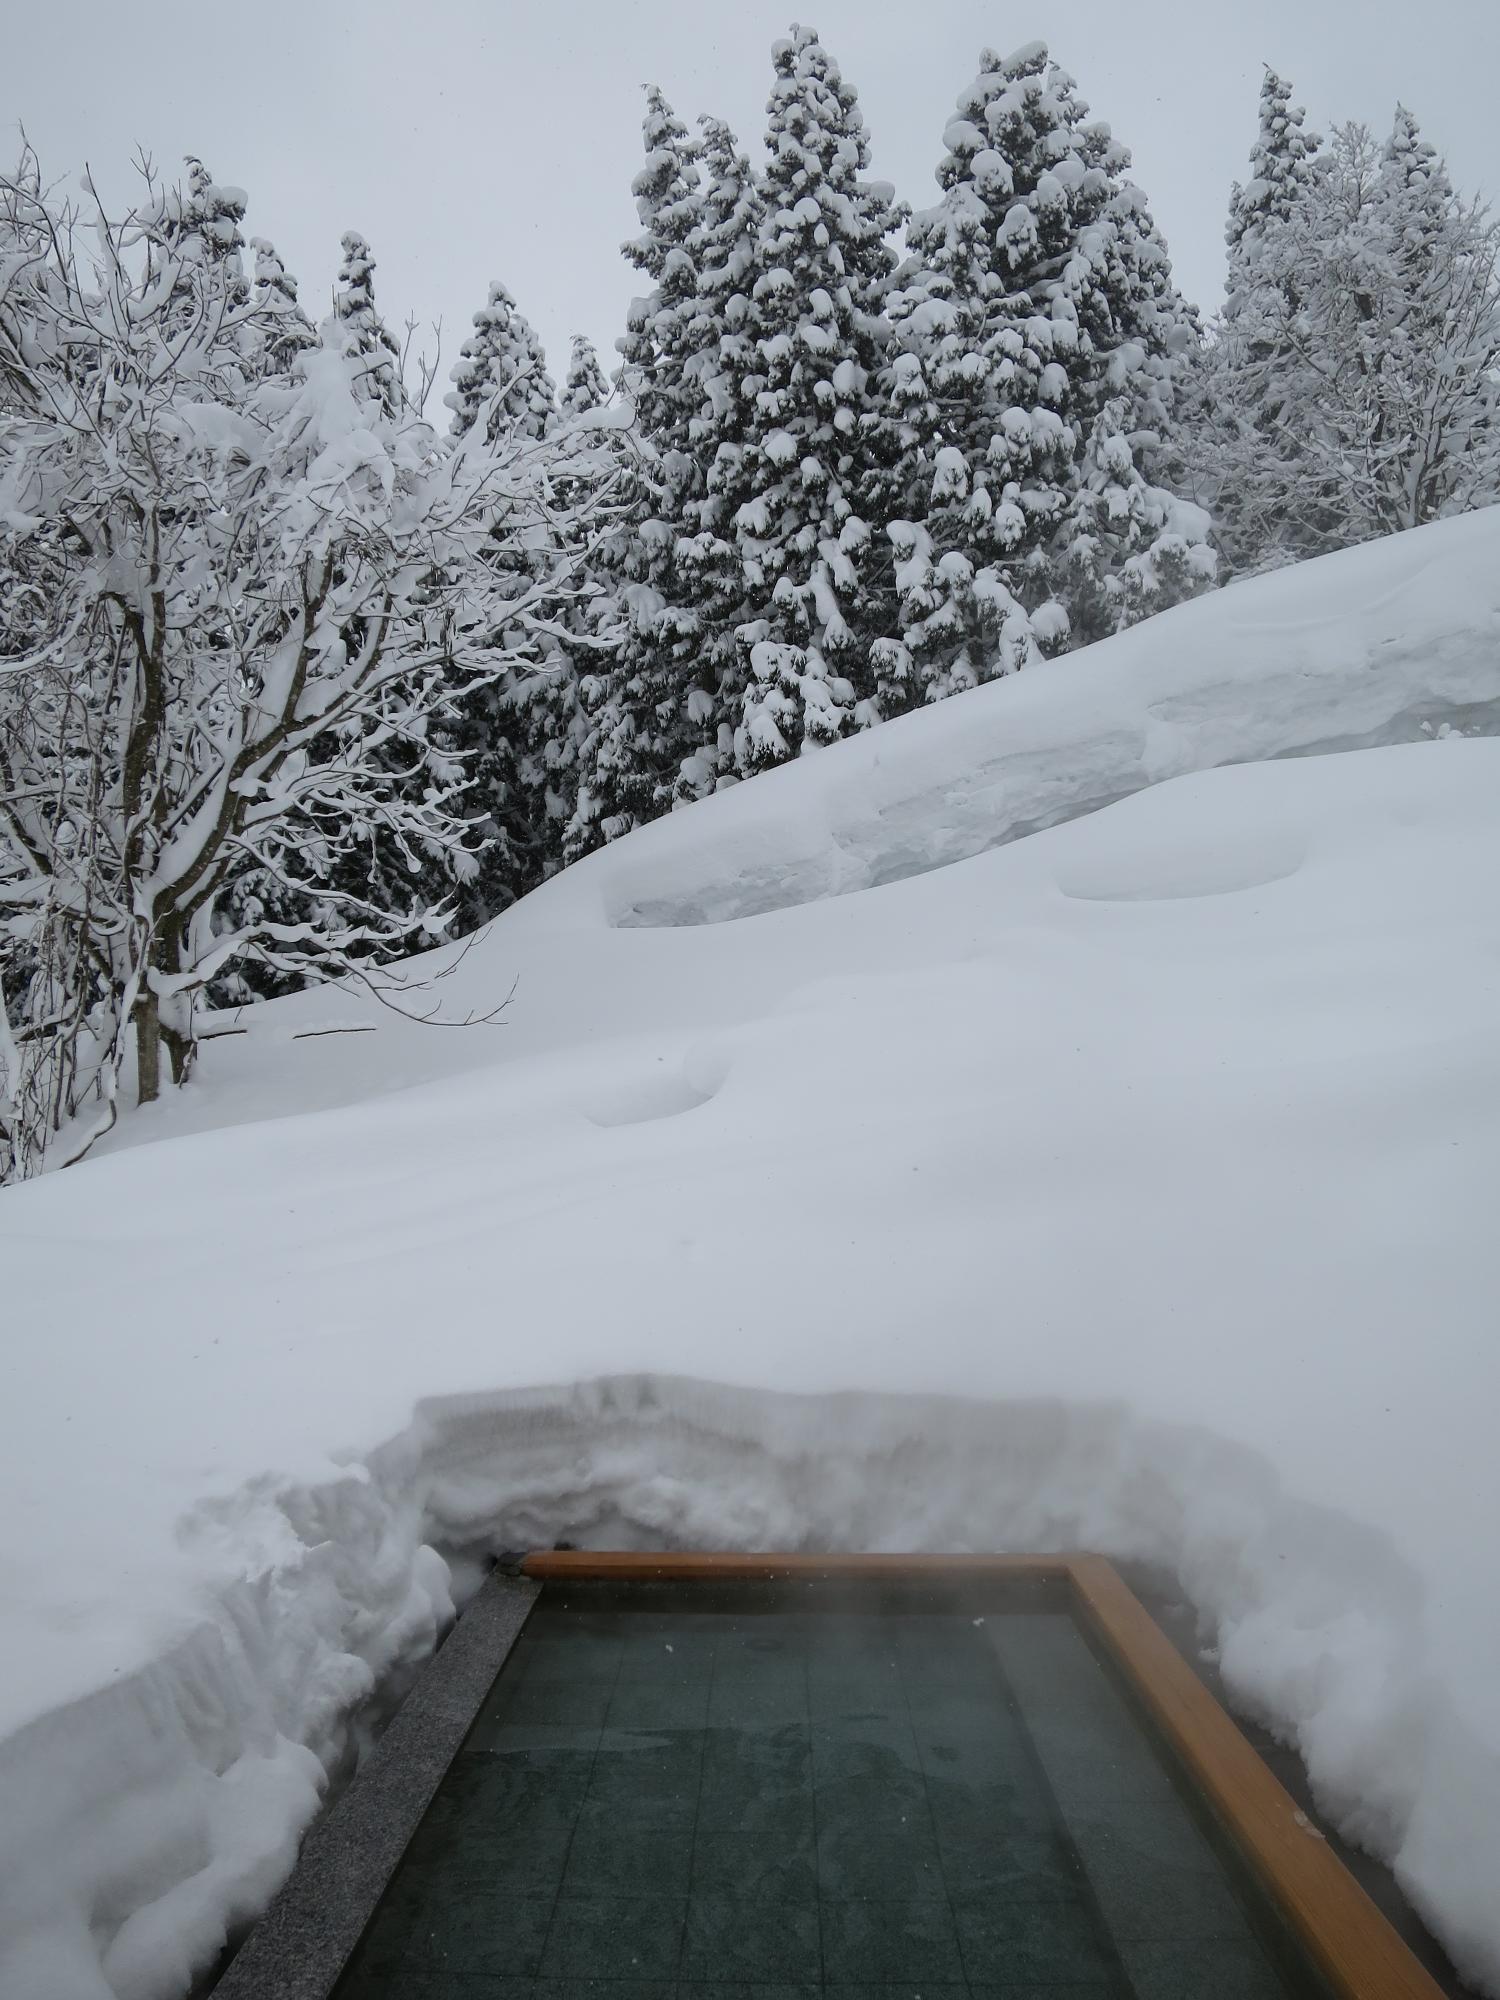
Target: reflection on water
x=674, y=1789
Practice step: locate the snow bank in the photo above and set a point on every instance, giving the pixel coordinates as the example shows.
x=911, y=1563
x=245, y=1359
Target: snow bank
x=1373, y=646
x=1128, y=1185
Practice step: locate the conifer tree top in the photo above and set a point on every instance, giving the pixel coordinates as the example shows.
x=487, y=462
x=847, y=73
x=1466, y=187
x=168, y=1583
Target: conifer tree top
x=1038, y=221
x=365, y=334
x=199, y=226
x=1281, y=163
x=276, y=292
x=1020, y=149
x=724, y=245
x=503, y=357
x=818, y=205
x=816, y=132
x=666, y=187
x=204, y=210
x=586, y=386
x=655, y=344
x=1425, y=224
x=1413, y=162
x=270, y=273
x=355, y=299
x=727, y=172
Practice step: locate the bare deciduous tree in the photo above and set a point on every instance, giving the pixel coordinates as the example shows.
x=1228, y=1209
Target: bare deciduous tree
x=240, y=597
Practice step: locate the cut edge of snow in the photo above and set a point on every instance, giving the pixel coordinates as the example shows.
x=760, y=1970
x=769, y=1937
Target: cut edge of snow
x=164, y=1811
x=1389, y=643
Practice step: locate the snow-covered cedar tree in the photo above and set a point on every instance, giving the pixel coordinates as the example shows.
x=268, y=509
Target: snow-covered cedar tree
x=586, y=387
x=663, y=715
x=224, y=590
x=598, y=470
x=1283, y=165
x=532, y=736
x=289, y=330
x=654, y=347
x=364, y=337
x=817, y=576
x=199, y=223
x=501, y=372
x=1126, y=548
x=638, y=708
x=519, y=735
x=723, y=375
x=1354, y=389
x=1036, y=298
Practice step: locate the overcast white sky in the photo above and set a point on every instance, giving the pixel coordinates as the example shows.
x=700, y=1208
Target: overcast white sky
x=471, y=140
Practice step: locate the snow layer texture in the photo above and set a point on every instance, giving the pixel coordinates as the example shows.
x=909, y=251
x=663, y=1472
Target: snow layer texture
x=1377, y=645
x=1128, y=1185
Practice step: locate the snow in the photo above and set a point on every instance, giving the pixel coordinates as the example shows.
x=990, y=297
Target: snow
x=908, y=1149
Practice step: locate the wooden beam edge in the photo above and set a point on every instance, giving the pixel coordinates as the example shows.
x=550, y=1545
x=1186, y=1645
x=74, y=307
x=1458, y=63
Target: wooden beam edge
x=634, y=1566
x=1349, y=1939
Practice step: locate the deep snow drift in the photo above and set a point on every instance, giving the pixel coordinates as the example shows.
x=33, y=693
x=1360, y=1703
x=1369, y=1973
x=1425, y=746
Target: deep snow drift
x=1127, y=1185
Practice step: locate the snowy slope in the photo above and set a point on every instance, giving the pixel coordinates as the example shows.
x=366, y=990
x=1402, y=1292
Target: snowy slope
x=1127, y=1185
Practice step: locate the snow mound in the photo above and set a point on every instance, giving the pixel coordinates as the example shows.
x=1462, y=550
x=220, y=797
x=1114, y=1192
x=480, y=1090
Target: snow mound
x=1237, y=860
x=1128, y=1185
x=1377, y=645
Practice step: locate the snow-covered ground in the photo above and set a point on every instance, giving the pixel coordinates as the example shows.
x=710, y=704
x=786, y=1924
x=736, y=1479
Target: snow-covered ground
x=846, y=1171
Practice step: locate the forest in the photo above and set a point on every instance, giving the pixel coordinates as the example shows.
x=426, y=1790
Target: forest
x=306, y=665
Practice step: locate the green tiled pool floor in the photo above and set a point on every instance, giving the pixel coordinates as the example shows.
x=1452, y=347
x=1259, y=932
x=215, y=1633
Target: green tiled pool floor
x=763, y=1803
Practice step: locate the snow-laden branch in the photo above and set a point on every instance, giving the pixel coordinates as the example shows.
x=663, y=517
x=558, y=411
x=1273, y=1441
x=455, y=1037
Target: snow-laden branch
x=243, y=600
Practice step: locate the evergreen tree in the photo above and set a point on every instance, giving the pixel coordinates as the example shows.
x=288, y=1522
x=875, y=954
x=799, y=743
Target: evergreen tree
x=501, y=374
x=665, y=714
x=586, y=387
x=513, y=738
x=193, y=243
x=1037, y=323
x=722, y=340
x=201, y=224
x=1126, y=548
x=800, y=473
x=1284, y=165
x=655, y=349
x=638, y=710
x=608, y=471
x=275, y=294
x=365, y=337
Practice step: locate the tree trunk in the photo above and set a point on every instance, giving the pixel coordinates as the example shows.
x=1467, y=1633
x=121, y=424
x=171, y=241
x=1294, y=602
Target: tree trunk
x=180, y=1049
x=147, y=1048
x=178, y=1044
